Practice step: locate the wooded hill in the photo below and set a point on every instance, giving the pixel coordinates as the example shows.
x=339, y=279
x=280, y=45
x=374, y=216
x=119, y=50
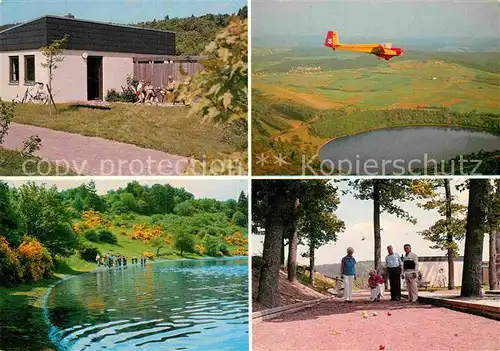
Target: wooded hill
x=332, y=270
x=43, y=229
x=195, y=32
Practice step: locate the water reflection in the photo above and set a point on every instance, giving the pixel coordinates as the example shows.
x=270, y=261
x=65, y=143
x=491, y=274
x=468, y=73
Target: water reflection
x=188, y=305
x=400, y=150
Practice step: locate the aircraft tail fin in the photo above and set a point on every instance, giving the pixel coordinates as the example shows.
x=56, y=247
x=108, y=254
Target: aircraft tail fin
x=332, y=39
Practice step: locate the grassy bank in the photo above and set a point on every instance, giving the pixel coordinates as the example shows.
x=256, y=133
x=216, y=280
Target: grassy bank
x=69, y=227
x=11, y=164
x=21, y=320
x=21, y=308
x=124, y=246
x=167, y=129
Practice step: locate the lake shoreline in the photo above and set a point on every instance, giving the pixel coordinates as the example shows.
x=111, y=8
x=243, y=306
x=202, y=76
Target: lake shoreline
x=416, y=125
x=33, y=304
x=54, y=299
x=396, y=149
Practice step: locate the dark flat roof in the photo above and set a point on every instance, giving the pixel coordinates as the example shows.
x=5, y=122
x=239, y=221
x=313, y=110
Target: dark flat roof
x=87, y=35
x=169, y=57
x=85, y=21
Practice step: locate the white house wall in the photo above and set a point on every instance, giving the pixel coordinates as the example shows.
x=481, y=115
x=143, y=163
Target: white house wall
x=116, y=68
x=70, y=78
x=9, y=91
x=430, y=271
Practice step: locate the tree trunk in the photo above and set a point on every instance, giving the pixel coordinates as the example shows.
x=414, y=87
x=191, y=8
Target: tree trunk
x=311, y=260
x=498, y=258
x=50, y=75
x=268, y=293
x=449, y=237
x=476, y=220
x=376, y=222
x=282, y=256
x=494, y=243
x=292, y=245
x=492, y=269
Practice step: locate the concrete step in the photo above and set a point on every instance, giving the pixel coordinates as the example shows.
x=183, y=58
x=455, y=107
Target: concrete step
x=486, y=308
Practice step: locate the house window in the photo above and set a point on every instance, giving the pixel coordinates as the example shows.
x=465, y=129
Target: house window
x=29, y=69
x=14, y=69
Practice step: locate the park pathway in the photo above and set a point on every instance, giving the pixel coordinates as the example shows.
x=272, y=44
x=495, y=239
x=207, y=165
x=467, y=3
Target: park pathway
x=96, y=156
x=336, y=325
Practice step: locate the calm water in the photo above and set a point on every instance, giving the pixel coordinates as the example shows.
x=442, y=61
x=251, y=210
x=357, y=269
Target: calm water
x=176, y=305
x=400, y=150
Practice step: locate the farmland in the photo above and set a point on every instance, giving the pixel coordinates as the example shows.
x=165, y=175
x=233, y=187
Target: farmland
x=346, y=93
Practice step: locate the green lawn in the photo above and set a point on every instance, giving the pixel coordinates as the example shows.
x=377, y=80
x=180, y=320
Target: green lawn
x=11, y=164
x=167, y=129
x=125, y=246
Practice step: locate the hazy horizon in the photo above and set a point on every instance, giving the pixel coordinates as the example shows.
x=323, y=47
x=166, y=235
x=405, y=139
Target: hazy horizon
x=385, y=19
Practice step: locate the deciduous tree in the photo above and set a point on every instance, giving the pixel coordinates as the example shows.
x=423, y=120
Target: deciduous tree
x=222, y=86
x=53, y=57
x=385, y=194
x=319, y=224
x=46, y=218
x=448, y=231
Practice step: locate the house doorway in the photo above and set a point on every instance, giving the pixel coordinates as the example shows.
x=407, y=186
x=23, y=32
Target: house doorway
x=94, y=78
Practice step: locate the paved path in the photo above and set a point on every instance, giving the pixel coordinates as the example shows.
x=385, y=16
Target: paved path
x=336, y=325
x=96, y=156
x=454, y=295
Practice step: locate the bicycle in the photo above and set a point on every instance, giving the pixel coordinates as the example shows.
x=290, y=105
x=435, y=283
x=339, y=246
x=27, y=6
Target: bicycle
x=36, y=94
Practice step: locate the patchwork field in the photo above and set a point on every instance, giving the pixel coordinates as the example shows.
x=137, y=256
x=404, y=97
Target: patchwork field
x=303, y=99
x=405, y=84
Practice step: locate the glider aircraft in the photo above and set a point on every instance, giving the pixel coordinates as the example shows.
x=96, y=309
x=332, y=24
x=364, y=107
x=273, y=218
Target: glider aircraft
x=385, y=51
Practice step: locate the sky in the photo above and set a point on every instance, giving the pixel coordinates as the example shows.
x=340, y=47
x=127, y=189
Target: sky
x=215, y=188
x=358, y=218
x=384, y=18
x=117, y=11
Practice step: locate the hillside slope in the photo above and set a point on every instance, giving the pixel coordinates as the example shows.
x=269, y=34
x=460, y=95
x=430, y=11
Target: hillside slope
x=332, y=270
x=290, y=293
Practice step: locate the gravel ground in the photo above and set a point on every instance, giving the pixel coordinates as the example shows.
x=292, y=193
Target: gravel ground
x=336, y=325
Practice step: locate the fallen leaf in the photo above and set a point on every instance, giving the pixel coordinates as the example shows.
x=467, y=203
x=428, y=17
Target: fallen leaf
x=334, y=332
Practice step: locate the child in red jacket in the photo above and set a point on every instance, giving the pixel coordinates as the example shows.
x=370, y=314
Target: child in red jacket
x=376, y=283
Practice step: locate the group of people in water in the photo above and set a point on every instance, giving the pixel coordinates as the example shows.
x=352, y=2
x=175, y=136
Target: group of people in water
x=117, y=260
